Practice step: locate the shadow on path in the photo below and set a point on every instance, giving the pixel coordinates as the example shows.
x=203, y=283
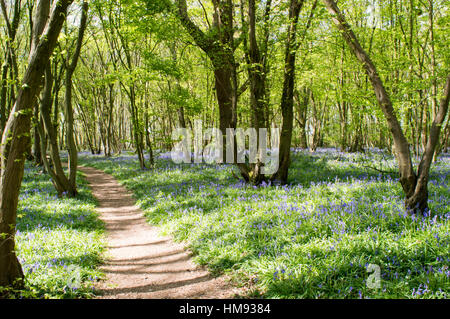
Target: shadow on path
x=140, y=262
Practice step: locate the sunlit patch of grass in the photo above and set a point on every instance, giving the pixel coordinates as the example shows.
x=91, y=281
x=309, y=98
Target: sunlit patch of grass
x=59, y=241
x=313, y=238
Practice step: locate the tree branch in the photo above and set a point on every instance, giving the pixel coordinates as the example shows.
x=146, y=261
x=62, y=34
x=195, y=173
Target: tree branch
x=202, y=40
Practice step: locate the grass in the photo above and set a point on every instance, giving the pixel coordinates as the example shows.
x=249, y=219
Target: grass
x=313, y=238
x=59, y=241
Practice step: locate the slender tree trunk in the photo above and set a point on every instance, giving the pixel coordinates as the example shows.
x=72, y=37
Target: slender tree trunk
x=59, y=178
x=256, y=56
x=37, y=155
x=287, y=97
x=148, y=140
x=219, y=45
x=181, y=119
x=414, y=186
x=110, y=118
x=135, y=131
x=302, y=101
x=3, y=91
x=71, y=145
x=10, y=62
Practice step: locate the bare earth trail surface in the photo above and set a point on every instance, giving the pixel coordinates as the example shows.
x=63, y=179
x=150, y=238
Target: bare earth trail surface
x=140, y=262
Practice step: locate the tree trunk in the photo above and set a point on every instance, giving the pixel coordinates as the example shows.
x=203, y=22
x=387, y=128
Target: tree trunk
x=3, y=91
x=136, y=128
x=57, y=174
x=148, y=141
x=10, y=62
x=414, y=186
x=257, y=73
x=110, y=118
x=71, y=146
x=219, y=45
x=37, y=142
x=287, y=98
x=301, y=101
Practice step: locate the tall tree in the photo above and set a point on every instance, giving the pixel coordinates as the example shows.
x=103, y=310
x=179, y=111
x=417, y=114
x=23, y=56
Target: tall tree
x=256, y=58
x=71, y=64
x=219, y=44
x=287, y=97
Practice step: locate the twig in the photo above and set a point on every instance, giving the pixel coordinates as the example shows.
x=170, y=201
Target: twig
x=379, y=170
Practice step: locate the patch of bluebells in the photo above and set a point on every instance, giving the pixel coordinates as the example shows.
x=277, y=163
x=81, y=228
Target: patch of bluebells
x=54, y=234
x=333, y=218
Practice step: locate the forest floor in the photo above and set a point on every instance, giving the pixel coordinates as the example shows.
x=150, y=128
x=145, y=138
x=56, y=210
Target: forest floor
x=312, y=238
x=140, y=262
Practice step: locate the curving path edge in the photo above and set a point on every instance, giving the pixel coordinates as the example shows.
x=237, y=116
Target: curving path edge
x=140, y=262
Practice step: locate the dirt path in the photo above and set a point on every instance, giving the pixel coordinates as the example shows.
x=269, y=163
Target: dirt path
x=141, y=263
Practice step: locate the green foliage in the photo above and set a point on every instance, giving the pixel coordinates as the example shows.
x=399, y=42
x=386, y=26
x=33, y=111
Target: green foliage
x=180, y=97
x=160, y=65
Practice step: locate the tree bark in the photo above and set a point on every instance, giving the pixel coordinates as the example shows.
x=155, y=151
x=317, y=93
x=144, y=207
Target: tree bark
x=71, y=145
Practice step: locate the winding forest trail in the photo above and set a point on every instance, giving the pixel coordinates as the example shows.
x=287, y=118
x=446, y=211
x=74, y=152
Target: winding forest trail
x=140, y=262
